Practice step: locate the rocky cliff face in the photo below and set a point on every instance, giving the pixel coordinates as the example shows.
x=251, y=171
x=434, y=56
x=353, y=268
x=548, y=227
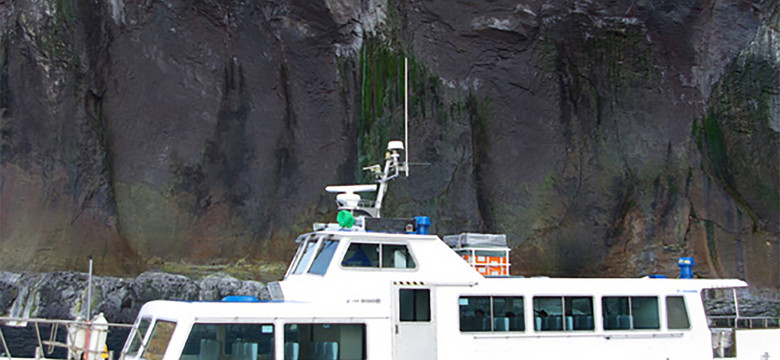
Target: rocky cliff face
x=604, y=137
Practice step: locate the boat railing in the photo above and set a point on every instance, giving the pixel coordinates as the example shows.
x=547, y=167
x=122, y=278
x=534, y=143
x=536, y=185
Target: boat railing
x=723, y=331
x=744, y=322
x=77, y=341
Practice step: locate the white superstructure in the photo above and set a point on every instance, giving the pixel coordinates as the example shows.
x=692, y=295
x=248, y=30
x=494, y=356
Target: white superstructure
x=354, y=294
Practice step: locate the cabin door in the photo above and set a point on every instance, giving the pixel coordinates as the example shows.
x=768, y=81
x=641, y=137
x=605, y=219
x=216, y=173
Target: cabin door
x=415, y=324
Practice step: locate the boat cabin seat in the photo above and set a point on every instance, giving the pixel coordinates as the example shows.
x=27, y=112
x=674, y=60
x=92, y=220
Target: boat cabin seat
x=501, y=324
x=553, y=322
x=209, y=349
x=244, y=351
x=624, y=321
x=324, y=350
x=291, y=350
x=330, y=350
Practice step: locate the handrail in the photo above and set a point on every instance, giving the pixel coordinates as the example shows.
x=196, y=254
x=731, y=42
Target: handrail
x=5, y=320
x=5, y=345
x=51, y=342
x=744, y=322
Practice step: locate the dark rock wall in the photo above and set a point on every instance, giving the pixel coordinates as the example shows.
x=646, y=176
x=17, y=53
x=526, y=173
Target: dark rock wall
x=64, y=294
x=605, y=138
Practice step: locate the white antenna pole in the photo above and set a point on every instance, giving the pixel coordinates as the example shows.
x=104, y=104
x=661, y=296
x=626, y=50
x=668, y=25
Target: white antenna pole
x=89, y=289
x=406, y=115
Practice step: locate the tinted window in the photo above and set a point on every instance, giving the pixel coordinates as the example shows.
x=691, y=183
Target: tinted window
x=579, y=313
x=396, y=256
x=645, y=312
x=325, y=341
x=508, y=313
x=378, y=255
x=475, y=313
x=548, y=313
x=308, y=252
x=569, y=313
x=491, y=313
x=676, y=313
x=361, y=255
x=138, y=337
x=324, y=255
x=630, y=312
x=415, y=304
x=158, y=342
x=240, y=341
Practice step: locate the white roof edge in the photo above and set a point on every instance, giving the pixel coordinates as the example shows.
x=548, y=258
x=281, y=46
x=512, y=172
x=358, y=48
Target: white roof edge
x=720, y=283
x=377, y=234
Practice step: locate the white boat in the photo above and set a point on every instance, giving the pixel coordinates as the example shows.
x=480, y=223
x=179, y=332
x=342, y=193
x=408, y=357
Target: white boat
x=371, y=288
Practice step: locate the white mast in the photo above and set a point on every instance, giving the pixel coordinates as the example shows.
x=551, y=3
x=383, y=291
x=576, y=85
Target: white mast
x=406, y=115
x=348, y=200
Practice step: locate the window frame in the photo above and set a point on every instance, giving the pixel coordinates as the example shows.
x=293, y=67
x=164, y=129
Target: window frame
x=563, y=300
x=300, y=255
x=380, y=264
x=415, y=304
x=226, y=346
x=284, y=328
x=152, y=340
x=137, y=342
x=323, y=241
x=684, y=310
x=491, y=313
x=630, y=307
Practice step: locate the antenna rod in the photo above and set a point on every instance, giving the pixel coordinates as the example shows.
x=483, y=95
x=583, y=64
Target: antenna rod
x=406, y=115
x=89, y=289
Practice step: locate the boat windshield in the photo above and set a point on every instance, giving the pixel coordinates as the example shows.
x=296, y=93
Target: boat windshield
x=137, y=337
x=154, y=348
x=324, y=256
x=158, y=341
x=317, y=251
x=309, y=247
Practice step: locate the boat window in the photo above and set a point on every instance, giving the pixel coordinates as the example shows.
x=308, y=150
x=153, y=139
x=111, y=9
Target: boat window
x=563, y=313
x=676, y=313
x=508, y=313
x=235, y=341
x=630, y=312
x=324, y=255
x=138, y=337
x=396, y=256
x=378, y=255
x=644, y=309
x=308, y=252
x=361, y=255
x=158, y=341
x=414, y=304
x=475, y=313
x=325, y=341
x=491, y=313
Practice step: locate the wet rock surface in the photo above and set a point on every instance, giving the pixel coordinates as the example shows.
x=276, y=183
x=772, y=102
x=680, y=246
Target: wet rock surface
x=605, y=138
